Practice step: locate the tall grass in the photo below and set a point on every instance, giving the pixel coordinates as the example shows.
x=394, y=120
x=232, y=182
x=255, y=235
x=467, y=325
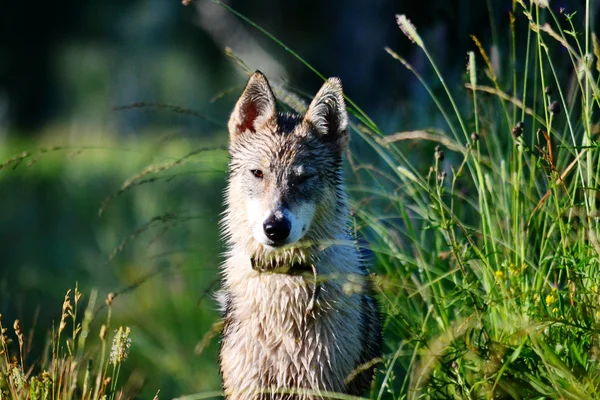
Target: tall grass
x=488, y=254
x=71, y=366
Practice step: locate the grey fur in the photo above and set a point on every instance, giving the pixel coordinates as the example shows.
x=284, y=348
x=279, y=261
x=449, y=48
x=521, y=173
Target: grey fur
x=287, y=334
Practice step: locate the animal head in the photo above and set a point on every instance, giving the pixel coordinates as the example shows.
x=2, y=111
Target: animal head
x=285, y=171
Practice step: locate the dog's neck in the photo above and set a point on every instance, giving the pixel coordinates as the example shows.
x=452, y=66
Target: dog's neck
x=306, y=268
x=278, y=266
x=290, y=259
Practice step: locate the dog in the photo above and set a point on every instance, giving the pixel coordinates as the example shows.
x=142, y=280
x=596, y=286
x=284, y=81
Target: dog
x=300, y=319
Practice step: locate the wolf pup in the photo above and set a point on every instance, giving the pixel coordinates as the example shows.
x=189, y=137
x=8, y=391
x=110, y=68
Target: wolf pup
x=297, y=306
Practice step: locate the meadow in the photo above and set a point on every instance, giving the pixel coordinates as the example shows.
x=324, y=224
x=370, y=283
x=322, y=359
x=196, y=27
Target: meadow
x=482, y=216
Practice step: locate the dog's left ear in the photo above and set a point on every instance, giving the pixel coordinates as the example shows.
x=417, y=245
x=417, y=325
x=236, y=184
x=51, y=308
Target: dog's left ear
x=327, y=114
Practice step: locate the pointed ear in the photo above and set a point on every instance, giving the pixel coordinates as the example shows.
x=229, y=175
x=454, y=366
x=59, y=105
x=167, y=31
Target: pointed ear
x=327, y=114
x=255, y=107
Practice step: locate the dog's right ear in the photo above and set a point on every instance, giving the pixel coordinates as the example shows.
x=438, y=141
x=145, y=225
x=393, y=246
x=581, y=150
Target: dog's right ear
x=327, y=114
x=255, y=107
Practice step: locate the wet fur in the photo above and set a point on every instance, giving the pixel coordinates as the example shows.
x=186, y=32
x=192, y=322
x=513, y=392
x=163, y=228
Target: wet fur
x=284, y=331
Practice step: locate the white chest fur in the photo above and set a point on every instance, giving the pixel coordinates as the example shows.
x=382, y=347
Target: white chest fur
x=272, y=341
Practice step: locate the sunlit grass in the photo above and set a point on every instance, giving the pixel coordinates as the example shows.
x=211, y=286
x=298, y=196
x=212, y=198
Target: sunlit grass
x=493, y=288
x=70, y=368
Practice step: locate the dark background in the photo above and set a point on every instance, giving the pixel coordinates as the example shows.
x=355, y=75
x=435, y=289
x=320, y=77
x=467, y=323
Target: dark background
x=55, y=57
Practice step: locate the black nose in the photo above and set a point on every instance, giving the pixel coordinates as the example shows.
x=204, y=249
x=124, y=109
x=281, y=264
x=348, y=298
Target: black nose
x=277, y=229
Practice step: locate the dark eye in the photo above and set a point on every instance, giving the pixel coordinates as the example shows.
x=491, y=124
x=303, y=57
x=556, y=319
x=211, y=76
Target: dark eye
x=303, y=178
x=257, y=173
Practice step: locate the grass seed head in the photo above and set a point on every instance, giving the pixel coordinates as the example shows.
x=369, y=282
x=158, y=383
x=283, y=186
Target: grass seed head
x=67, y=302
x=63, y=323
x=541, y=3
x=471, y=68
x=554, y=108
x=67, y=310
x=17, y=326
x=107, y=381
x=409, y=29
x=77, y=295
x=19, y=332
x=109, y=299
x=120, y=347
x=103, y=332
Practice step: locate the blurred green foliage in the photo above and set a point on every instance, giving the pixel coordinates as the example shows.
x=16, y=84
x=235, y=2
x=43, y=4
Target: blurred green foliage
x=155, y=246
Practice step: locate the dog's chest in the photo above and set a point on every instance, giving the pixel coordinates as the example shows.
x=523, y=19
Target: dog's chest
x=273, y=339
